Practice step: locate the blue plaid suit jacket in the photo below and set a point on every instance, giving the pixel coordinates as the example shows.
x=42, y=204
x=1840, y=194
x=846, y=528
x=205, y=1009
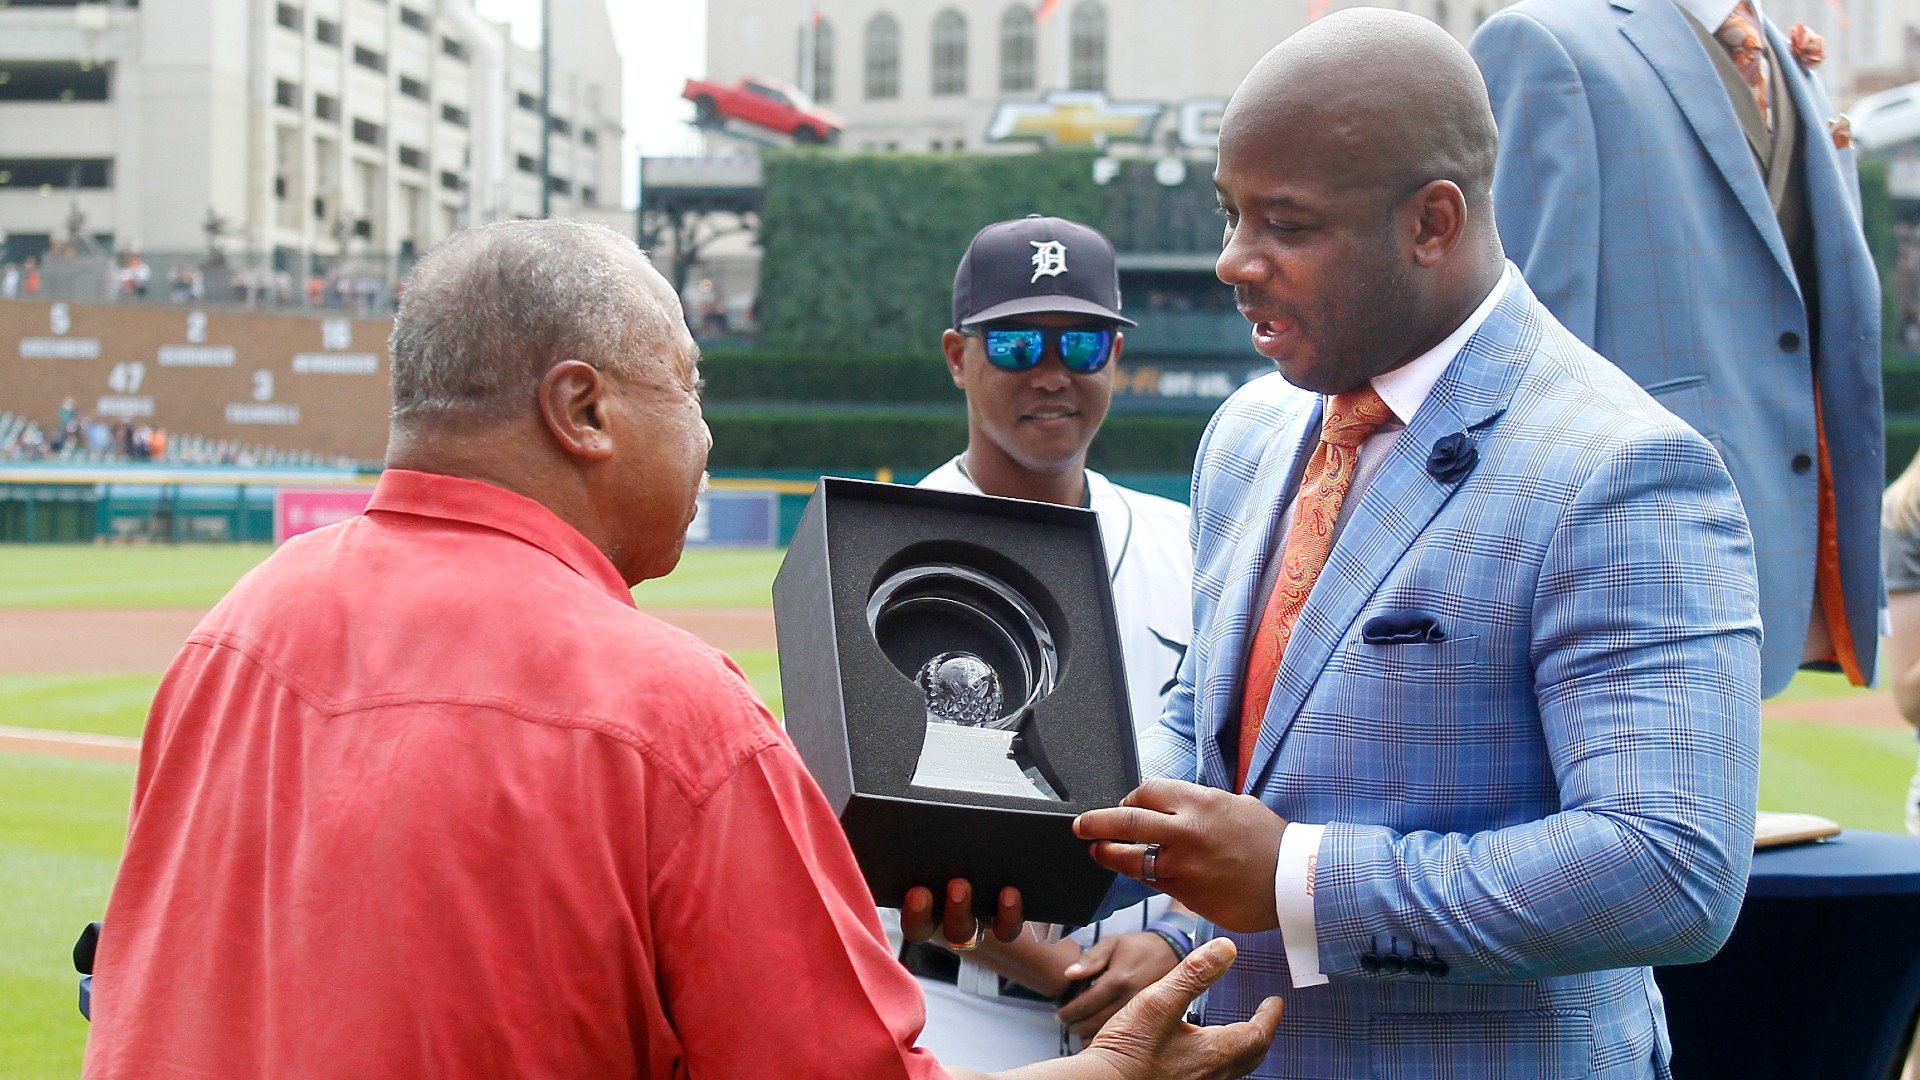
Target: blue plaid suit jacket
x=1554, y=796
x=1626, y=191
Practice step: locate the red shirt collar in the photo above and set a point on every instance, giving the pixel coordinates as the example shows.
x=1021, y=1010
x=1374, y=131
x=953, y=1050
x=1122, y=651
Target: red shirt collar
x=473, y=502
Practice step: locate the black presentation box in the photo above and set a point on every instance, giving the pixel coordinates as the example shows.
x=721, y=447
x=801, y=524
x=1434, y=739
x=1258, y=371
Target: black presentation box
x=859, y=720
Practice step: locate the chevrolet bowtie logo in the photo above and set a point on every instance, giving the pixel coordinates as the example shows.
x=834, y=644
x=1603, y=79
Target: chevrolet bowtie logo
x=1074, y=118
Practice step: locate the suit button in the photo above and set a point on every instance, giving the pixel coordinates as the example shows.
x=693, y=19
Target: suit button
x=1370, y=963
x=1392, y=962
x=1789, y=342
x=1802, y=463
x=1437, y=968
x=1416, y=966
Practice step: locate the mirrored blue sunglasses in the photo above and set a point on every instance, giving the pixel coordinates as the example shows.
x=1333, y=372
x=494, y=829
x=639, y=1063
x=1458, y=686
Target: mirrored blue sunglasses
x=1021, y=348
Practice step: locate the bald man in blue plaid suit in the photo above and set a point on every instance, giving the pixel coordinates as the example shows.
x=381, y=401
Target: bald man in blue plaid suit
x=1713, y=251
x=1509, y=757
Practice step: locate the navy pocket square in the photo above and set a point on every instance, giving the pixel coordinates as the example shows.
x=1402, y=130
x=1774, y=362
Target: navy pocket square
x=1401, y=628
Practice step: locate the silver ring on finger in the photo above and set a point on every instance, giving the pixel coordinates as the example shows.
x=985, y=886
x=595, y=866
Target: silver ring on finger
x=1150, y=864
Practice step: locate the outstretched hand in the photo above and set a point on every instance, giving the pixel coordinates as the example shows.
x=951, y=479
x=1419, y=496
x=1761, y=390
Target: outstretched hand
x=1149, y=1040
x=1217, y=850
x=956, y=921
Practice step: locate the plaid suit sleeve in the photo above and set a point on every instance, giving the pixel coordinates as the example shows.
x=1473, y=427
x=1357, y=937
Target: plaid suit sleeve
x=1644, y=646
x=1546, y=182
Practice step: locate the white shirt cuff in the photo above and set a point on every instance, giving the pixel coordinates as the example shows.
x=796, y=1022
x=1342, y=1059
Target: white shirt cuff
x=1293, y=899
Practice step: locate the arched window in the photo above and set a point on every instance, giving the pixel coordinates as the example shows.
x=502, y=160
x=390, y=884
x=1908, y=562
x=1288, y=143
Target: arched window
x=883, y=57
x=1016, y=49
x=1087, y=46
x=949, y=53
x=818, y=38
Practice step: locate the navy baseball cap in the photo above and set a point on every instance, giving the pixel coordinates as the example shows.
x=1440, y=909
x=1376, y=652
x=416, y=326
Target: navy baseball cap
x=1036, y=264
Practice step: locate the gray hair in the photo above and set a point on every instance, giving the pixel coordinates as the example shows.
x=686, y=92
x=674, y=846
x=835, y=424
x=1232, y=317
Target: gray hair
x=490, y=309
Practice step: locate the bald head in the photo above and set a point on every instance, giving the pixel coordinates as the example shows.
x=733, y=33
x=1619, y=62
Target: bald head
x=1355, y=175
x=488, y=311
x=1377, y=98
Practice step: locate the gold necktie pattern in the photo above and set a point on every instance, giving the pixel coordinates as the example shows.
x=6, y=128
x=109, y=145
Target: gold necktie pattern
x=1350, y=418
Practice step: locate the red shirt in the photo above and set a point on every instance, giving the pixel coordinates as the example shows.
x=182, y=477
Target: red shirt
x=425, y=796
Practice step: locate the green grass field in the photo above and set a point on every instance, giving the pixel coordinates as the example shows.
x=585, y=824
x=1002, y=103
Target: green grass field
x=62, y=822
x=83, y=576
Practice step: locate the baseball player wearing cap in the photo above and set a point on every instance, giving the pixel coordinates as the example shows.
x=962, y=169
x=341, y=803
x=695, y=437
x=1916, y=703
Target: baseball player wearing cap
x=1035, y=337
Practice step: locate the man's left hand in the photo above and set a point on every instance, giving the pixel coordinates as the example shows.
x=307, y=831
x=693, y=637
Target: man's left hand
x=1216, y=853
x=1120, y=966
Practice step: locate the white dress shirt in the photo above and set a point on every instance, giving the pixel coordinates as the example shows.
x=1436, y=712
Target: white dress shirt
x=1711, y=13
x=1403, y=389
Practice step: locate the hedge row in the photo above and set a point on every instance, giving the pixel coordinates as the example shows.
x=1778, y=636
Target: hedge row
x=784, y=375
x=1903, y=441
x=1877, y=217
x=859, y=249
x=1901, y=378
x=833, y=440
x=827, y=440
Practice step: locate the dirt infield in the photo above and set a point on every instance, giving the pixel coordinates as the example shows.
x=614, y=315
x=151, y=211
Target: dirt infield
x=138, y=640
x=69, y=745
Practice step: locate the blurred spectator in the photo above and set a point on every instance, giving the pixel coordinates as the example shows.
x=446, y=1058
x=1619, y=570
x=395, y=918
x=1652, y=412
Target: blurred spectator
x=134, y=277
x=10, y=280
x=316, y=290
x=32, y=275
x=185, y=283
x=66, y=413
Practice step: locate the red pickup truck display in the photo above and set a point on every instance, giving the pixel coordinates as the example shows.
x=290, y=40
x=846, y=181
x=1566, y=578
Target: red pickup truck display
x=765, y=103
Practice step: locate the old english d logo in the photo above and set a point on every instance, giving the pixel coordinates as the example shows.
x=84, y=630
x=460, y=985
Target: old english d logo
x=1074, y=118
x=1049, y=259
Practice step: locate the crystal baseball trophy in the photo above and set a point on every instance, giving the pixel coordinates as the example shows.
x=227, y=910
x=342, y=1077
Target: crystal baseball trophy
x=952, y=679
x=999, y=643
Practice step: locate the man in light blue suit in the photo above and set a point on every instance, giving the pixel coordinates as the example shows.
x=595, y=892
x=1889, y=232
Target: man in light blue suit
x=1508, y=754
x=1699, y=225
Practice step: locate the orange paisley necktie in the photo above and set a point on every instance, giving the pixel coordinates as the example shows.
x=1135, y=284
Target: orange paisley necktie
x=1740, y=36
x=1350, y=418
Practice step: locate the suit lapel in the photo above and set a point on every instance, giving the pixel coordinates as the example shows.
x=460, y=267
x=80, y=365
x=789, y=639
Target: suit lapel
x=1241, y=599
x=1661, y=34
x=1820, y=157
x=1398, y=504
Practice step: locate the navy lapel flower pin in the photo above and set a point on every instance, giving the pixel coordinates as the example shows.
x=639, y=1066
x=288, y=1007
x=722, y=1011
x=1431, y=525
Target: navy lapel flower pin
x=1452, y=457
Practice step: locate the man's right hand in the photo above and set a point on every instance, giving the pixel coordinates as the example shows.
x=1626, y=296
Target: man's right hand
x=1151, y=1040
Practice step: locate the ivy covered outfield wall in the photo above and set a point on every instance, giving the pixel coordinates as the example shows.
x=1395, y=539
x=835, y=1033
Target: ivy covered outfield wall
x=859, y=249
x=1900, y=366
x=856, y=285
x=777, y=411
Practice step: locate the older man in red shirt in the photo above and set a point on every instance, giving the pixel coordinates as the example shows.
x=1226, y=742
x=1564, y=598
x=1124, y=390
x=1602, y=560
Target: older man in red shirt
x=426, y=796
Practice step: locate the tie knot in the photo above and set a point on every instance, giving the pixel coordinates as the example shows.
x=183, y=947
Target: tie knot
x=1353, y=416
x=1740, y=33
